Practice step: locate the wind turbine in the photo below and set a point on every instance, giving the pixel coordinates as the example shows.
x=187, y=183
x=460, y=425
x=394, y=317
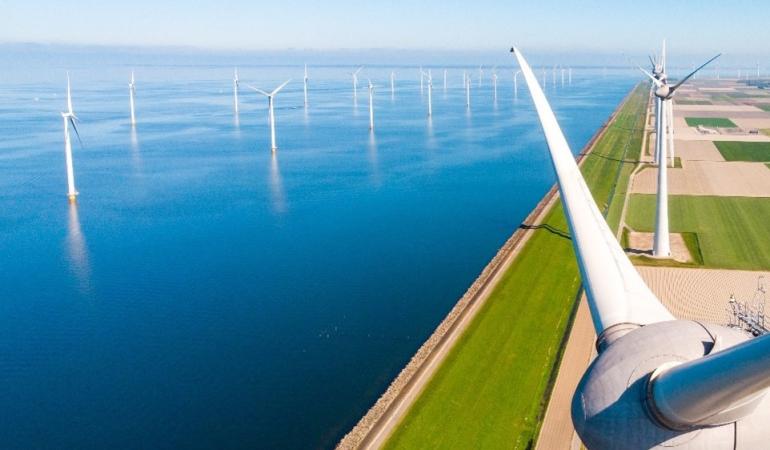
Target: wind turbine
x=468, y=92
x=355, y=82
x=494, y=83
x=664, y=92
x=429, y=76
x=392, y=83
x=421, y=77
x=236, y=84
x=69, y=120
x=516, y=83
x=131, y=92
x=304, y=86
x=271, y=113
x=371, y=106
x=656, y=381
x=444, y=79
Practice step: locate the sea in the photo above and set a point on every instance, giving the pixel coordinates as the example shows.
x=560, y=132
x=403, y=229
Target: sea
x=205, y=292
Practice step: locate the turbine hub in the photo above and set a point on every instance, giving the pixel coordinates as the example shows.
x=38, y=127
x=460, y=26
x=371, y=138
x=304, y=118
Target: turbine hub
x=609, y=408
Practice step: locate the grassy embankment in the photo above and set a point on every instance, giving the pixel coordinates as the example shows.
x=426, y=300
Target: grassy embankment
x=712, y=122
x=732, y=232
x=744, y=151
x=492, y=389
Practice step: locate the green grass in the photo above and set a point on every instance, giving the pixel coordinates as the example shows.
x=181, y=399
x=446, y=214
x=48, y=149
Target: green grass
x=732, y=232
x=744, y=151
x=763, y=106
x=713, y=122
x=492, y=389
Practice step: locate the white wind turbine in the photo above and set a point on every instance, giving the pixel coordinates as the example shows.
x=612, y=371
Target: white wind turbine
x=494, y=83
x=131, y=92
x=663, y=125
x=304, y=86
x=468, y=91
x=516, y=83
x=429, y=76
x=69, y=120
x=271, y=112
x=656, y=381
x=444, y=79
x=371, y=106
x=355, y=82
x=236, y=84
x=392, y=83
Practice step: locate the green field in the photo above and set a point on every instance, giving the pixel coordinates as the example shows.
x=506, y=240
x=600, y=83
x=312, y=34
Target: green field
x=732, y=232
x=744, y=151
x=492, y=389
x=763, y=106
x=713, y=122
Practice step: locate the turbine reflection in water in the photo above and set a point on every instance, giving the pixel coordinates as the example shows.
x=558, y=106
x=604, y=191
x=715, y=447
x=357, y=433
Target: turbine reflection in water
x=136, y=156
x=278, y=196
x=77, y=250
x=374, y=161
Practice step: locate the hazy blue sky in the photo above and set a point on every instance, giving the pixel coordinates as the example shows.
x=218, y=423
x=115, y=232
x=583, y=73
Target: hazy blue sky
x=736, y=26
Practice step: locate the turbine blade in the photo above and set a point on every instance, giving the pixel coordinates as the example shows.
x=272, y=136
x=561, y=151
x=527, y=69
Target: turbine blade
x=275, y=91
x=258, y=90
x=69, y=95
x=676, y=86
x=654, y=80
x=74, y=127
x=615, y=290
x=358, y=70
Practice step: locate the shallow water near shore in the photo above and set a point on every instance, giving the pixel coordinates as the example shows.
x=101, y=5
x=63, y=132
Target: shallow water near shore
x=204, y=293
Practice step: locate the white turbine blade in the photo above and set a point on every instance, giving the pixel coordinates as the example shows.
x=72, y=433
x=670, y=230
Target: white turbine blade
x=74, y=127
x=615, y=290
x=69, y=95
x=358, y=70
x=681, y=82
x=654, y=80
x=266, y=94
x=275, y=91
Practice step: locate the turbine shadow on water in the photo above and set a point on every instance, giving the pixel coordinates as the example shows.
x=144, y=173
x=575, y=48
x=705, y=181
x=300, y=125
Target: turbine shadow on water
x=77, y=251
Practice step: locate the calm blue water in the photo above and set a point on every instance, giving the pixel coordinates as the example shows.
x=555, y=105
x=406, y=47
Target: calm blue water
x=204, y=294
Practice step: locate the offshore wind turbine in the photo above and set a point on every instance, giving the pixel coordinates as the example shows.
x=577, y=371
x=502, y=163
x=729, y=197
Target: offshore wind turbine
x=494, y=84
x=664, y=92
x=304, y=86
x=516, y=83
x=392, y=83
x=468, y=92
x=69, y=120
x=355, y=82
x=444, y=79
x=656, y=381
x=271, y=112
x=371, y=106
x=236, y=84
x=429, y=76
x=131, y=92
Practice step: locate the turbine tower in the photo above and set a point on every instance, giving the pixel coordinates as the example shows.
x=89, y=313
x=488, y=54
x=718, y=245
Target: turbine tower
x=371, y=106
x=69, y=120
x=516, y=83
x=271, y=112
x=468, y=92
x=664, y=93
x=429, y=76
x=236, y=83
x=494, y=84
x=355, y=82
x=392, y=83
x=304, y=86
x=656, y=381
x=131, y=92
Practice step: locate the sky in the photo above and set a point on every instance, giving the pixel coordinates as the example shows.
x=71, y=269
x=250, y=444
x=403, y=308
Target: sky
x=698, y=27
